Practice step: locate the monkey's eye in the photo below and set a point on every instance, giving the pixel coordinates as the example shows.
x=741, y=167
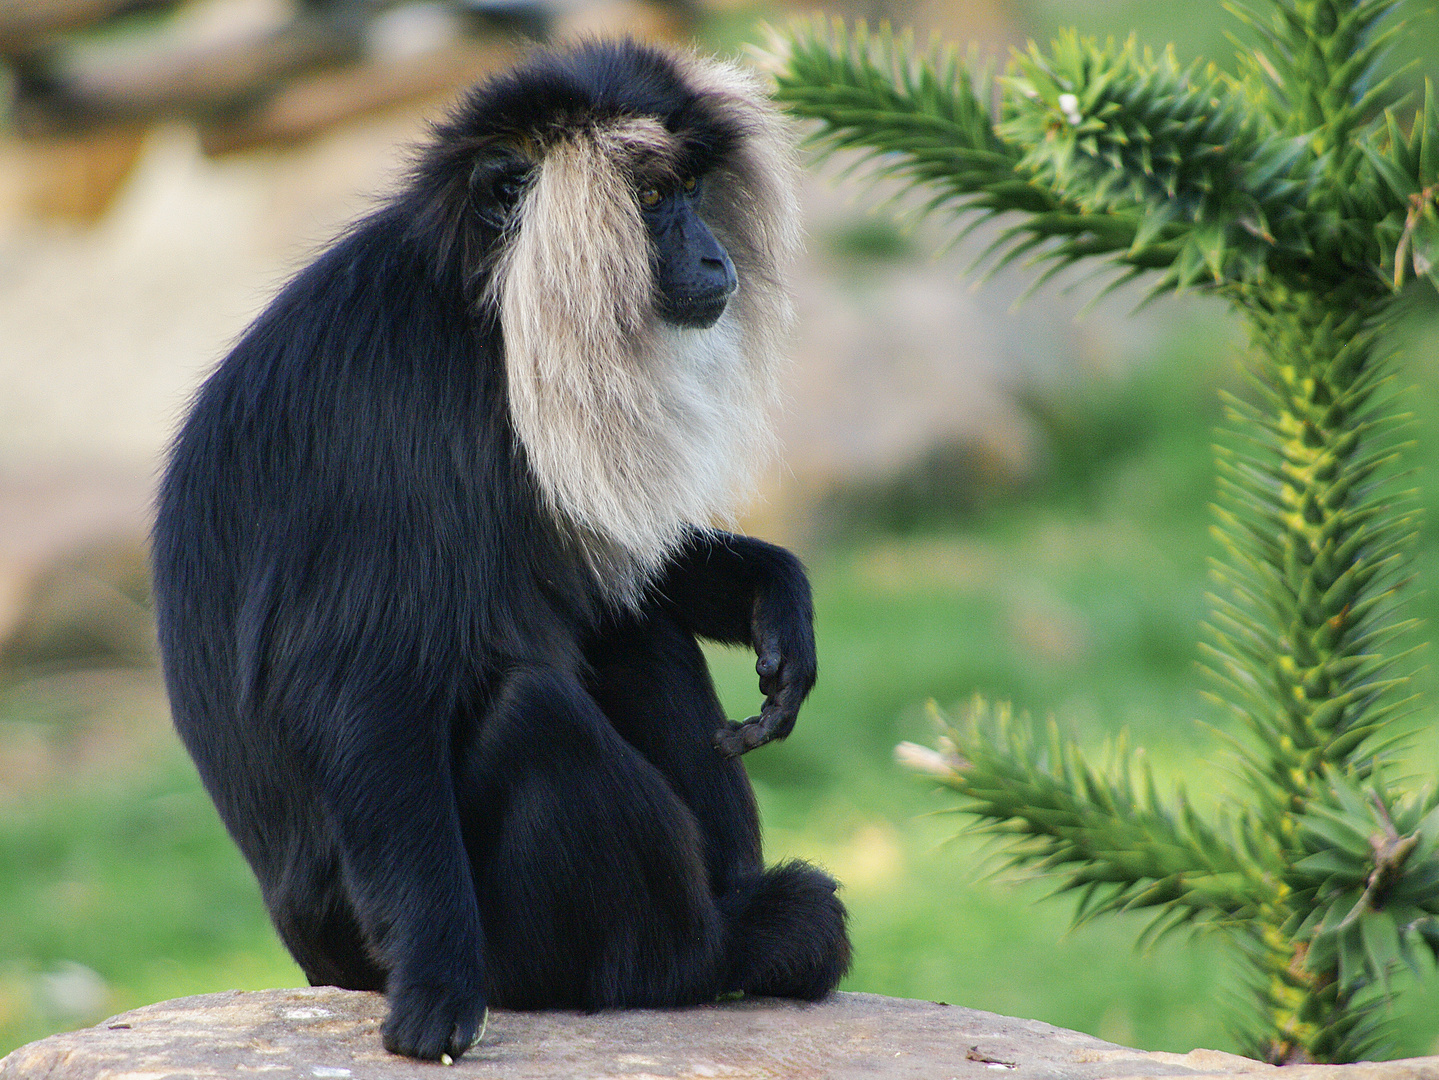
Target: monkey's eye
x=691, y=184
x=507, y=187
x=497, y=182
x=649, y=197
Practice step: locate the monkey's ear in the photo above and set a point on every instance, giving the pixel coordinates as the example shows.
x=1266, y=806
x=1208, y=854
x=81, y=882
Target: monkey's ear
x=496, y=183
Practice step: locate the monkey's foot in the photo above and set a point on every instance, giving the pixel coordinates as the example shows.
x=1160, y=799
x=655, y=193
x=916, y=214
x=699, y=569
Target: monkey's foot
x=434, y=1022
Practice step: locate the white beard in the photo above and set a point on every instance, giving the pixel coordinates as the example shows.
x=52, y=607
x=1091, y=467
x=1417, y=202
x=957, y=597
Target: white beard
x=636, y=431
x=629, y=469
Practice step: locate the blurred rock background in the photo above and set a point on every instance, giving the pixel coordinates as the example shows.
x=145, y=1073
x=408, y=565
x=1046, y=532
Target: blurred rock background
x=166, y=165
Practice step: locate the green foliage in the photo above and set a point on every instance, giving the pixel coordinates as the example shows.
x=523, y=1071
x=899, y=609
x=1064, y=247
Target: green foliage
x=1177, y=151
x=1297, y=190
x=1370, y=883
x=1107, y=830
x=1108, y=150
x=1314, y=555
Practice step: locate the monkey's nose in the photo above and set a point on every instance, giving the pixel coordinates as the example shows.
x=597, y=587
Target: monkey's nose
x=723, y=272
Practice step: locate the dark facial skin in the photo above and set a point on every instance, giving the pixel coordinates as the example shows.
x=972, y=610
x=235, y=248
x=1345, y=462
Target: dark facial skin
x=693, y=275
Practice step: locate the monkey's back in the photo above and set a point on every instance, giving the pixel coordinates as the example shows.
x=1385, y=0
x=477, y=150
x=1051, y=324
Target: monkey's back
x=346, y=490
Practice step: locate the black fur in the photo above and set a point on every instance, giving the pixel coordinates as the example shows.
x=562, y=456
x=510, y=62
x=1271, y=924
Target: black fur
x=459, y=774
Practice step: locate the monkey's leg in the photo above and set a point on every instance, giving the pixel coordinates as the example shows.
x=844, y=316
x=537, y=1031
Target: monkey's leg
x=651, y=680
x=377, y=764
x=283, y=833
x=315, y=920
x=787, y=935
x=588, y=868
x=785, y=926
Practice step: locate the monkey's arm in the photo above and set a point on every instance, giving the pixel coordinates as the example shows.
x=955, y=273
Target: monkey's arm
x=372, y=734
x=743, y=591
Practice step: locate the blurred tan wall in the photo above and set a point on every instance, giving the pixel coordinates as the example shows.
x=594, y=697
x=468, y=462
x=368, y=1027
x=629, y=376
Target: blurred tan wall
x=106, y=330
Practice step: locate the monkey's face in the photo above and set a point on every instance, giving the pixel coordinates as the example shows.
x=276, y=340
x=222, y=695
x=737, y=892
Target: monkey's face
x=692, y=273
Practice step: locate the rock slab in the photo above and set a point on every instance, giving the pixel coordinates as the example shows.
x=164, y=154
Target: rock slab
x=327, y=1033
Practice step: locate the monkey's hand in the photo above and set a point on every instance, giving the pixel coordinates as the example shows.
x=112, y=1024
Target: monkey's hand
x=786, y=666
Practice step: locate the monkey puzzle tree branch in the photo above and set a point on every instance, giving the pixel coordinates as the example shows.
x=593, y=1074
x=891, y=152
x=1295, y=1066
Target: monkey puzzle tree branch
x=929, y=122
x=1285, y=189
x=1108, y=830
x=1316, y=64
x=1314, y=553
x=1303, y=622
x=1369, y=865
x=1179, y=150
x=1404, y=198
x=1110, y=150
x=1106, y=151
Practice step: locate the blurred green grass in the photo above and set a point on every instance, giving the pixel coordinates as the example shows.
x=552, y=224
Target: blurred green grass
x=1078, y=594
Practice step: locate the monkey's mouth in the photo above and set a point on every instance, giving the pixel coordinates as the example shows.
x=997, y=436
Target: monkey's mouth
x=696, y=312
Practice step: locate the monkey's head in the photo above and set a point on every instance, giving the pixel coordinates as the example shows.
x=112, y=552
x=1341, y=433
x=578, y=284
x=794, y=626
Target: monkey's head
x=691, y=274
x=636, y=148
x=628, y=214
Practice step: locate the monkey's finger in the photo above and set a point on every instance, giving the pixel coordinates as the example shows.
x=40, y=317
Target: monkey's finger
x=729, y=744
x=775, y=721
x=739, y=738
x=461, y=1039
x=781, y=710
x=770, y=684
x=468, y=1033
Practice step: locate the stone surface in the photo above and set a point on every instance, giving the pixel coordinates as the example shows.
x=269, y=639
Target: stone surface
x=328, y=1033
